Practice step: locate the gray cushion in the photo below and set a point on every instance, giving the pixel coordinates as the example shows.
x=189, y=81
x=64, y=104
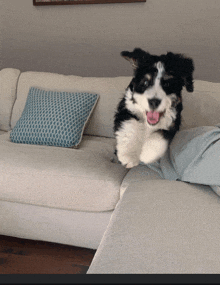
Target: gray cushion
x=78, y=228
x=162, y=226
x=81, y=179
x=193, y=156
x=201, y=107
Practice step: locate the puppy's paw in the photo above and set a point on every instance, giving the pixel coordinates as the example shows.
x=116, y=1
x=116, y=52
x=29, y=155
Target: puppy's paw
x=132, y=164
x=128, y=162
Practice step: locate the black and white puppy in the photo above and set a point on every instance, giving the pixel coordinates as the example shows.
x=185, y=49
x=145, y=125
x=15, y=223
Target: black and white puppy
x=149, y=114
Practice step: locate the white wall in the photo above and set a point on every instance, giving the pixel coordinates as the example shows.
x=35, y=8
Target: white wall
x=87, y=40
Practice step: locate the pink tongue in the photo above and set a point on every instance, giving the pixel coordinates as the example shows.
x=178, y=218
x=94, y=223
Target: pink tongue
x=153, y=117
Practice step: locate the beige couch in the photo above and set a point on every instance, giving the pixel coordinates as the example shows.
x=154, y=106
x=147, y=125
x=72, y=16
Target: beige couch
x=68, y=195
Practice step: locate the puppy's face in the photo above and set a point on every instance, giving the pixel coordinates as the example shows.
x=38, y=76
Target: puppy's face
x=155, y=90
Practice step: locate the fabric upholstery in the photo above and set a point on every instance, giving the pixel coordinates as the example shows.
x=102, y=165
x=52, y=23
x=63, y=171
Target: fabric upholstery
x=201, y=108
x=193, y=156
x=109, y=89
x=216, y=189
x=8, y=88
x=138, y=174
x=47, y=194
x=54, y=118
x=81, y=179
x=162, y=226
x=77, y=228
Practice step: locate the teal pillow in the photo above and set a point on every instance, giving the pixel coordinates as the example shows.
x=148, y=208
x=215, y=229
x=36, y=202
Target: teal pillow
x=54, y=118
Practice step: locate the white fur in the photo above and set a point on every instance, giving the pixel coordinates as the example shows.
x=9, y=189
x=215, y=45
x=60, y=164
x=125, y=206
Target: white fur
x=153, y=148
x=137, y=142
x=129, y=143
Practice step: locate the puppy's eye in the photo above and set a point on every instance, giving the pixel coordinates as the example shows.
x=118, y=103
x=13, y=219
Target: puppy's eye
x=166, y=84
x=146, y=83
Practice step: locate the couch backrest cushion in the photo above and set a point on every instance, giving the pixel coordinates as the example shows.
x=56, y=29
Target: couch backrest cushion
x=110, y=91
x=202, y=107
x=8, y=86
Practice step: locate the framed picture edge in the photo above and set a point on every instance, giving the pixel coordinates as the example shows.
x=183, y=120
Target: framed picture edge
x=76, y=2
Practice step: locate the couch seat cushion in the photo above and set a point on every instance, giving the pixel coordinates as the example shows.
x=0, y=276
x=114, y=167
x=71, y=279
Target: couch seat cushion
x=81, y=179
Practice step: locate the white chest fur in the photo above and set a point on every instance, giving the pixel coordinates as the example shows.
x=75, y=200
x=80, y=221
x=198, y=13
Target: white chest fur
x=137, y=142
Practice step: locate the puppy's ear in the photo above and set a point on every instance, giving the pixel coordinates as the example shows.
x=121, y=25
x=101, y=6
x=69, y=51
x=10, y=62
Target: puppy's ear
x=136, y=57
x=188, y=68
x=184, y=66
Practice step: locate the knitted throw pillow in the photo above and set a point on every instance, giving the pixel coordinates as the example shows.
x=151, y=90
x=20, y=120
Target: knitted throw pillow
x=54, y=118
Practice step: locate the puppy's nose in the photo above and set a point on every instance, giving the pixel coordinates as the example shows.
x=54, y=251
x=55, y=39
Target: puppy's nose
x=154, y=103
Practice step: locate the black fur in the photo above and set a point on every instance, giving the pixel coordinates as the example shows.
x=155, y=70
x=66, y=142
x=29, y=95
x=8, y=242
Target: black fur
x=123, y=114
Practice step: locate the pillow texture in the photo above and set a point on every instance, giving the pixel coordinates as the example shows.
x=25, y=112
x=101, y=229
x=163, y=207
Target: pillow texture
x=54, y=118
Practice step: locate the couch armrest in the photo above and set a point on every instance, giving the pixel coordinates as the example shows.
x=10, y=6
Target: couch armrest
x=8, y=87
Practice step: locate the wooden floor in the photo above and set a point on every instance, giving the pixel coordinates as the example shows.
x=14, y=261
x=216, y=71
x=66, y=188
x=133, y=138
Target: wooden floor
x=21, y=256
